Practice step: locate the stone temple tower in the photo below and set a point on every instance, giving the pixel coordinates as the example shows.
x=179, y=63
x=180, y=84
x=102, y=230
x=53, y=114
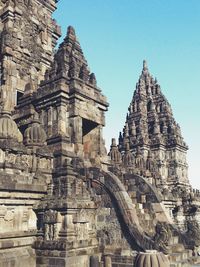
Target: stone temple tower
x=28, y=35
x=63, y=200
x=152, y=134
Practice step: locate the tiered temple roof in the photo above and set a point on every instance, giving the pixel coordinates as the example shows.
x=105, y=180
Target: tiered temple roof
x=152, y=135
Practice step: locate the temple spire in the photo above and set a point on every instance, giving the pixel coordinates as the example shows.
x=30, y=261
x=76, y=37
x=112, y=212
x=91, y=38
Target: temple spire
x=71, y=35
x=145, y=71
x=151, y=124
x=70, y=62
x=145, y=67
x=71, y=31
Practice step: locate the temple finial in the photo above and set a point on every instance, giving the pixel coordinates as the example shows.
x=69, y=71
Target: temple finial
x=145, y=65
x=70, y=30
x=71, y=33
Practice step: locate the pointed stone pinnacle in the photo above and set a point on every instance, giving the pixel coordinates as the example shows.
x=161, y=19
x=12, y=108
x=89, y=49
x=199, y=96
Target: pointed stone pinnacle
x=145, y=65
x=71, y=30
x=71, y=33
x=113, y=142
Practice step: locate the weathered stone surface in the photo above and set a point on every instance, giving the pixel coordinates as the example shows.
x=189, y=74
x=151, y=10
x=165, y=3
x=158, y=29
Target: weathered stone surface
x=152, y=135
x=28, y=37
x=63, y=200
x=15, y=257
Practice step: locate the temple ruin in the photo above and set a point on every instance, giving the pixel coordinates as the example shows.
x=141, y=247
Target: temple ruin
x=65, y=201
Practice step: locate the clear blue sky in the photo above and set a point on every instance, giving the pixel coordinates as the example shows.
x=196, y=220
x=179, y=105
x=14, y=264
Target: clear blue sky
x=116, y=35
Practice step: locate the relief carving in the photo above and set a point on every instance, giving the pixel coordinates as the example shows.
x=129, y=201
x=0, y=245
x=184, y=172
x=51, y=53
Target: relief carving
x=52, y=224
x=192, y=236
x=162, y=236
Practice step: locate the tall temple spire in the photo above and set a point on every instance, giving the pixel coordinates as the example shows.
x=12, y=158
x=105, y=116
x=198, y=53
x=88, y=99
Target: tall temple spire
x=75, y=96
x=152, y=127
x=70, y=62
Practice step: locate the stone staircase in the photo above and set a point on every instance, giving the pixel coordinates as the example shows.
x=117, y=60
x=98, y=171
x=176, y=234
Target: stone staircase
x=139, y=214
x=178, y=255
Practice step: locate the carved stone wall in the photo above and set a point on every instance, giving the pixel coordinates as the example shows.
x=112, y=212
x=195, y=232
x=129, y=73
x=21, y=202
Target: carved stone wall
x=25, y=176
x=63, y=201
x=28, y=35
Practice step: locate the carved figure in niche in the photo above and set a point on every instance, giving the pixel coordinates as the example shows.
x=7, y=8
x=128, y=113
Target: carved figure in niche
x=180, y=192
x=26, y=160
x=50, y=216
x=9, y=216
x=11, y=158
x=151, y=165
x=143, y=187
x=49, y=232
x=52, y=223
x=139, y=160
x=46, y=232
x=55, y=231
x=110, y=234
x=82, y=230
x=162, y=236
x=193, y=233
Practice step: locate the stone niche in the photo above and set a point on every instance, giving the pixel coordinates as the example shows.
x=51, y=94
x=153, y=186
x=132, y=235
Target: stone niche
x=15, y=219
x=91, y=132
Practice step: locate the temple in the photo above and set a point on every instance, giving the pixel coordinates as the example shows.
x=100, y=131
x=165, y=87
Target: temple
x=65, y=201
x=151, y=132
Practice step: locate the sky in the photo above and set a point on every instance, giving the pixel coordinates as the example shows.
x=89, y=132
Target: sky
x=117, y=35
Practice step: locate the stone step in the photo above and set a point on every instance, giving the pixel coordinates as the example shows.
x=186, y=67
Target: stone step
x=181, y=256
x=180, y=264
